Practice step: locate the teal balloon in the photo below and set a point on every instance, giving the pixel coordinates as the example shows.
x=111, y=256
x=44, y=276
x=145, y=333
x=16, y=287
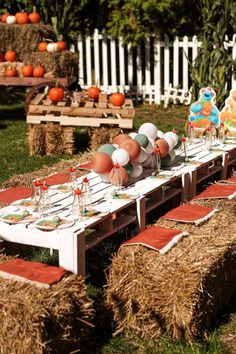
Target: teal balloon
x=178, y=144
x=166, y=161
x=142, y=140
x=129, y=168
x=107, y=149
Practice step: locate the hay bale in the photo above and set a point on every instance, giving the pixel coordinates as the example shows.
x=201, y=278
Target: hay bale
x=102, y=135
x=36, y=139
x=36, y=320
x=59, y=64
x=24, y=38
x=182, y=292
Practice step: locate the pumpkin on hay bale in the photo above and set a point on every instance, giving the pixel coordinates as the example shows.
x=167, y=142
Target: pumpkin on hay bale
x=181, y=292
x=38, y=320
x=24, y=38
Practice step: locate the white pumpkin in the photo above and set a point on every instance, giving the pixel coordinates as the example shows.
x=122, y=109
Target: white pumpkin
x=11, y=20
x=52, y=47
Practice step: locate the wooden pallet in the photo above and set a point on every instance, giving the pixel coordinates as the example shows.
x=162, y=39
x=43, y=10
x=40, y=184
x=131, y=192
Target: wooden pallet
x=32, y=81
x=78, y=110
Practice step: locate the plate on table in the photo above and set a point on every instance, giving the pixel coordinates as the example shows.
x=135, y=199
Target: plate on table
x=53, y=223
x=25, y=203
x=17, y=218
x=62, y=188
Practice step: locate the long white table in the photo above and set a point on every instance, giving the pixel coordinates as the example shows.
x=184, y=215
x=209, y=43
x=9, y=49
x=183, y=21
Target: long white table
x=175, y=184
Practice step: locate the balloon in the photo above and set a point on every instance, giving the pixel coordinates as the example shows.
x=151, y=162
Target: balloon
x=129, y=168
x=132, y=146
x=148, y=129
x=173, y=135
x=142, y=140
x=148, y=162
x=101, y=163
x=132, y=135
x=168, y=159
x=119, y=138
x=123, y=174
x=179, y=143
x=105, y=177
x=142, y=156
x=170, y=141
x=107, y=148
x=151, y=145
x=160, y=134
x=120, y=156
x=137, y=169
x=163, y=146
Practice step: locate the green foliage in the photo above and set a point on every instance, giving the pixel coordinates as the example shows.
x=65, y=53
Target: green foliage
x=214, y=64
x=135, y=19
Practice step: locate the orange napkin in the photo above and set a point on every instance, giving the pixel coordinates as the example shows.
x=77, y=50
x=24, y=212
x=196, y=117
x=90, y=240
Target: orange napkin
x=231, y=179
x=190, y=213
x=11, y=194
x=36, y=273
x=160, y=239
x=84, y=166
x=218, y=191
x=58, y=178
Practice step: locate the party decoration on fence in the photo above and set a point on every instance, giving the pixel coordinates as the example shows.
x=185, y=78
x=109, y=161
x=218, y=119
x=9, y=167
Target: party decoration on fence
x=204, y=111
x=130, y=154
x=228, y=113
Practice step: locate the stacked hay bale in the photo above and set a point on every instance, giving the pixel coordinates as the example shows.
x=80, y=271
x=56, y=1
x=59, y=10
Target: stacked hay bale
x=38, y=320
x=24, y=40
x=179, y=293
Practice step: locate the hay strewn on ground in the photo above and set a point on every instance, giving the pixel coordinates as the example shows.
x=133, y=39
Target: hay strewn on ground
x=179, y=293
x=36, y=320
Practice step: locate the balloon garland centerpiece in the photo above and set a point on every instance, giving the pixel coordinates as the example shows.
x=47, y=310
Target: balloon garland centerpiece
x=228, y=114
x=129, y=154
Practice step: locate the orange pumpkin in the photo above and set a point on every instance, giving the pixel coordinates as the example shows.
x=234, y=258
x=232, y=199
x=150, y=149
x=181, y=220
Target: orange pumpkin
x=42, y=46
x=4, y=17
x=10, y=55
x=38, y=71
x=22, y=18
x=117, y=99
x=11, y=72
x=27, y=70
x=56, y=94
x=34, y=16
x=61, y=45
x=93, y=92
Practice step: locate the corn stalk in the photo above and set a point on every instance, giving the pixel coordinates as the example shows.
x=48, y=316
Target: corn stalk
x=214, y=65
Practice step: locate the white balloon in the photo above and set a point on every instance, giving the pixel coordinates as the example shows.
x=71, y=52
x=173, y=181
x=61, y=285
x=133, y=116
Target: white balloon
x=142, y=156
x=105, y=177
x=173, y=136
x=160, y=134
x=133, y=135
x=148, y=162
x=148, y=129
x=151, y=145
x=120, y=156
x=116, y=145
x=172, y=155
x=137, y=169
x=170, y=141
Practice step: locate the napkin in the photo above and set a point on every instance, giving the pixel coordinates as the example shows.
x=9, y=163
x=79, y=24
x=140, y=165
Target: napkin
x=190, y=213
x=160, y=239
x=218, y=191
x=36, y=273
x=15, y=193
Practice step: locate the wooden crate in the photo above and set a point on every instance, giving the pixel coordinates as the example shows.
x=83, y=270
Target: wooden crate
x=78, y=110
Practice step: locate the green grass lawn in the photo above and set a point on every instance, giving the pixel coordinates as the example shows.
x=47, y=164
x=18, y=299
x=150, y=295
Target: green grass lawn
x=15, y=159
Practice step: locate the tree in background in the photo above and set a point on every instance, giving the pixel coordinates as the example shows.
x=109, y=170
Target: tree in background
x=214, y=65
x=133, y=20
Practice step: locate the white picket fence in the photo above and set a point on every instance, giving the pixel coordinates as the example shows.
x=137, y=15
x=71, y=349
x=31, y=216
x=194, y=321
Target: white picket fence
x=155, y=71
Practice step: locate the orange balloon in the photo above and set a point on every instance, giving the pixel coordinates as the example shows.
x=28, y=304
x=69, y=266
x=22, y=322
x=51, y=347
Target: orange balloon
x=132, y=146
x=122, y=173
x=101, y=163
x=163, y=146
x=121, y=137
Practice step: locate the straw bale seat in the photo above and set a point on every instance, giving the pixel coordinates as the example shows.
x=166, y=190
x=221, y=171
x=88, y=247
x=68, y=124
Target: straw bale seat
x=39, y=320
x=181, y=293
